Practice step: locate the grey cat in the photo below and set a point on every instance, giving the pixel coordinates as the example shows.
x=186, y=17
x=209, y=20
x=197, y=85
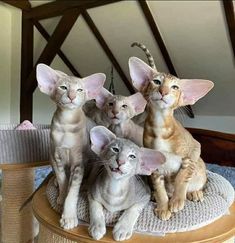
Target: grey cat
x=115, y=185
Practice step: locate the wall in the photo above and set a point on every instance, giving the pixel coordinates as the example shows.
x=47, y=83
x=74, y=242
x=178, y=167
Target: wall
x=5, y=64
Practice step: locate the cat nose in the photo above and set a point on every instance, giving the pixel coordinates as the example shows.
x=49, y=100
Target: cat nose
x=120, y=162
x=163, y=91
x=72, y=95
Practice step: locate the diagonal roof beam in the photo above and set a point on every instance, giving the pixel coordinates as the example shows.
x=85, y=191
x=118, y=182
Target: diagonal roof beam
x=61, y=32
x=22, y=4
x=57, y=8
x=157, y=35
x=230, y=18
x=107, y=50
x=60, y=53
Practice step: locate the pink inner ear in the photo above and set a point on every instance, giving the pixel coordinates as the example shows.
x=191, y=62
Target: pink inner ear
x=141, y=74
x=138, y=102
x=194, y=89
x=46, y=77
x=102, y=97
x=93, y=84
x=100, y=137
x=150, y=160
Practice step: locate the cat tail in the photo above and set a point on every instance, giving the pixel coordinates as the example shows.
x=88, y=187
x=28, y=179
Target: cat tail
x=147, y=53
x=29, y=199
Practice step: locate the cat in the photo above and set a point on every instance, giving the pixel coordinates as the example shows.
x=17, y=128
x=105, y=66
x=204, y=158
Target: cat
x=69, y=133
x=116, y=112
x=114, y=185
x=165, y=93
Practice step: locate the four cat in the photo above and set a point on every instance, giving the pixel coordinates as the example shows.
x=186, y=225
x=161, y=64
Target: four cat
x=171, y=155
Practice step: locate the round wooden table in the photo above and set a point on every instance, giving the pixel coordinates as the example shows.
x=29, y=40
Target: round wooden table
x=222, y=230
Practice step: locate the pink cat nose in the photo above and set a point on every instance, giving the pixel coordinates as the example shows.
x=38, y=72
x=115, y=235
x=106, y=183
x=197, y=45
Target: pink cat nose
x=72, y=96
x=163, y=91
x=120, y=162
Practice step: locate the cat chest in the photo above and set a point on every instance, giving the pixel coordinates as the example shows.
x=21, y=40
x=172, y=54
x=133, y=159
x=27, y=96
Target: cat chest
x=162, y=144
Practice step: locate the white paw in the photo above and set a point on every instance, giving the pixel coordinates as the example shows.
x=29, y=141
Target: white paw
x=68, y=221
x=122, y=232
x=97, y=230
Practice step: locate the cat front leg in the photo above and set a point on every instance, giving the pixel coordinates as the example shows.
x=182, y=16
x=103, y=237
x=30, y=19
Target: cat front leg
x=58, y=160
x=69, y=218
x=123, y=229
x=161, y=197
x=181, y=183
x=97, y=228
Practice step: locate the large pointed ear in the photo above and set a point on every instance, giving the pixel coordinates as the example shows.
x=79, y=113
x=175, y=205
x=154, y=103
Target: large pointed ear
x=138, y=102
x=141, y=73
x=47, y=78
x=100, y=137
x=102, y=97
x=93, y=84
x=150, y=160
x=194, y=89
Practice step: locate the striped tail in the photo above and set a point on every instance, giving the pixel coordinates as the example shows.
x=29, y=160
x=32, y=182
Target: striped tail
x=147, y=53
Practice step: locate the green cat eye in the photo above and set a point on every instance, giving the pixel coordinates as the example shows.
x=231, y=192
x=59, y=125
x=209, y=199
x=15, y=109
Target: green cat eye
x=175, y=87
x=79, y=90
x=157, y=81
x=63, y=87
x=124, y=106
x=132, y=156
x=115, y=149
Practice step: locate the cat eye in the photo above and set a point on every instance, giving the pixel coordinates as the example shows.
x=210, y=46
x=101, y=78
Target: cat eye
x=110, y=104
x=124, y=106
x=175, y=87
x=157, y=81
x=79, y=90
x=115, y=149
x=63, y=87
x=132, y=156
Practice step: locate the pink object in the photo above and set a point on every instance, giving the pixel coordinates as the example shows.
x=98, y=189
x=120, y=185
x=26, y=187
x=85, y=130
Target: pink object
x=25, y=125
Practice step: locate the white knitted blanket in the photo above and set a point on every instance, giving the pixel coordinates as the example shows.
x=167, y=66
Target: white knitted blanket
x=219, y=195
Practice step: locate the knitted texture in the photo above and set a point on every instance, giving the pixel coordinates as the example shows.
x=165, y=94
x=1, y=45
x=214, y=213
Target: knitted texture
x=218, y=197
x=21, y=146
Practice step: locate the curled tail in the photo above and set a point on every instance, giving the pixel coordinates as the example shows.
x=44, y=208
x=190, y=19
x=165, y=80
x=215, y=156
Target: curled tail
x=147, y=53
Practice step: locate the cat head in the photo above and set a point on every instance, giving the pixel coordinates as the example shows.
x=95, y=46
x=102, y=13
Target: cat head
x=123, y=158
x=67, y=91
x=120, y=108
x=166, y=90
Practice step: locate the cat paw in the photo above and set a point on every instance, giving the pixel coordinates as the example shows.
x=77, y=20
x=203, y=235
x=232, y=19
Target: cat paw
x=122, y=232
x=176, y=204
x=196, y=196
x=68, y=221
x=97, y=230
x=163, y=214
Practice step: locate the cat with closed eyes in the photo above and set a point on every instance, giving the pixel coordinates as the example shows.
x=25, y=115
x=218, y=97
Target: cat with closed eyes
x=165, y=93
x=114, y=185
x=69, y=136
x=116, y=113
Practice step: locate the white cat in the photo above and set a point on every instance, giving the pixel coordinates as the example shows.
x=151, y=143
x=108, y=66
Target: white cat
x=69, y=133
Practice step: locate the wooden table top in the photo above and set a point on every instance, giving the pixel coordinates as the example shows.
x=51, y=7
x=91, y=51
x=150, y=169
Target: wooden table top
x=219, y=231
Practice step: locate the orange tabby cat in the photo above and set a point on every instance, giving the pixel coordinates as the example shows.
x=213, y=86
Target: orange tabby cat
x=163, y=132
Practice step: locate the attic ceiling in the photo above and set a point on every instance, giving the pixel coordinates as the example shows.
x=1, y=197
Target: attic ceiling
x=195, y=34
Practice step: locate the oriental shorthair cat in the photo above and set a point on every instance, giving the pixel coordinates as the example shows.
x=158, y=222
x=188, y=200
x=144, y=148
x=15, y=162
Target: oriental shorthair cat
x=165, y=93
x=69, y=133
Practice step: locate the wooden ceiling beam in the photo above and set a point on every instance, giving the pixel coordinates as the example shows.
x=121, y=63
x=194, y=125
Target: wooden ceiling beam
x=107, y=50
x=230, y=19
x=60, y=53
x=61, y=32
x=158, y=38
x=57, y=8
x=21, y=4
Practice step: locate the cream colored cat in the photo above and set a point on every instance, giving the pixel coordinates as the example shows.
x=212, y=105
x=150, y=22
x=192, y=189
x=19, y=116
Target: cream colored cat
x=163, y=132
x=69, y=133
x=116, y=112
